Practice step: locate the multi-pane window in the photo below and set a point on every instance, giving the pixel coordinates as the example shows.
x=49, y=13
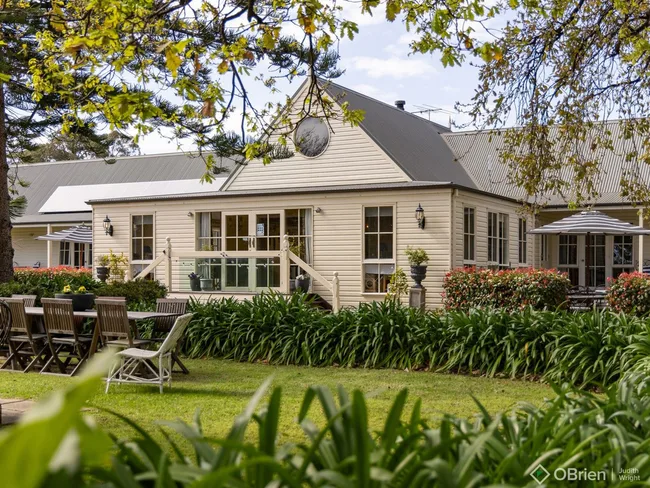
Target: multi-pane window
x=142, y=247
x=596, y=259
x=64, y=253
x=568, y=257
x=544, y=251
x=378, y=245
x=298, y=226
x=208, y=238
x=523, y=242
x=498, y=239
x=623, y=258
x=469, y=235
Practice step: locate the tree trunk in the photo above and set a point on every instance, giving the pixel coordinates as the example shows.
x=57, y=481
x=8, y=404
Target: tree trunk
x=6, y=247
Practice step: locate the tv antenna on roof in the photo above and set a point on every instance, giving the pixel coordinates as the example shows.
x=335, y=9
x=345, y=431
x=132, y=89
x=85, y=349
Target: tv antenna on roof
x=429, y=109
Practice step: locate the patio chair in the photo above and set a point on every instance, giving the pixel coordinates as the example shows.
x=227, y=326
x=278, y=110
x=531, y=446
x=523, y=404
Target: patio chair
x=5, y=329
x=162, y=325
x=133, y=363
x=114, y=327
x=26, y=348
x=63, y=336
x=30, y=300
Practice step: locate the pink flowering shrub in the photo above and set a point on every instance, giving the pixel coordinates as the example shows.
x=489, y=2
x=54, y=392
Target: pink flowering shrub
x=511, y=289
x=630, y=293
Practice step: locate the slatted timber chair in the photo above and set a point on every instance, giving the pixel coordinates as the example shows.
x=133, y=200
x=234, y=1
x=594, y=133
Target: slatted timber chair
x=139, y=365
x=5, y=329
x=30, y=300
x=26, y=347
x=114, y=327
x=163, y=325
x=63, y=336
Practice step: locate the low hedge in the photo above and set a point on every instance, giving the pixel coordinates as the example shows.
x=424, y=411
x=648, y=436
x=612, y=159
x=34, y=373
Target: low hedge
x=586, y=349
x=45, y=282
x=511, y=289
x=630, y=293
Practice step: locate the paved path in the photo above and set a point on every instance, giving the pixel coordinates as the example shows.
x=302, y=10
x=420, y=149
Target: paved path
x=11, y=409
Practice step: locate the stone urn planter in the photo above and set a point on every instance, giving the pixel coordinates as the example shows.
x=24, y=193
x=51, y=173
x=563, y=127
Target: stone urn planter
x=302, y=283
x=102, y=273
x=418, y=273
x=80, y=301
x=195, y=282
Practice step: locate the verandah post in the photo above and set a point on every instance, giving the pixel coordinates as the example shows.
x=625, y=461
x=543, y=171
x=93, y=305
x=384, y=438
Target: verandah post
x=641, y=242
x=336, y=299
x=168, y=263
x=285, y=263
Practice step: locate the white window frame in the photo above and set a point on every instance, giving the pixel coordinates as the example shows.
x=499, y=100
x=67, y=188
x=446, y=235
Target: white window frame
x=622, y=267
x=377, y=261
x=64, y=250
x=564, y=267
x=499, y=241
x=544, y=249
x=469, y=235
x=522, y=240
x=141, y=263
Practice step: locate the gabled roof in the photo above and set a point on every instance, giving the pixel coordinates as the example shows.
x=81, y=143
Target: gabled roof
x=45, y=178
x=479, y=153
x=412, y=142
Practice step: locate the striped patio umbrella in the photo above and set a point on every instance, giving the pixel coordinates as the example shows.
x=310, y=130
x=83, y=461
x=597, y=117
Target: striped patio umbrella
x=80, y=233
x=587, y=223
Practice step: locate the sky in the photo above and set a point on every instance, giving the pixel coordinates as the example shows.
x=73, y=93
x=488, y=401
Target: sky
x=377, y=63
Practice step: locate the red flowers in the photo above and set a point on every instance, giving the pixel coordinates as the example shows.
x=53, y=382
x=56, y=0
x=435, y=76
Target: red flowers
x=630, y=293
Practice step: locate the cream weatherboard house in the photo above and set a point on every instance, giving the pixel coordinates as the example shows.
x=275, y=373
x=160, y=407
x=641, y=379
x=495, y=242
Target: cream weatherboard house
x=342, y=209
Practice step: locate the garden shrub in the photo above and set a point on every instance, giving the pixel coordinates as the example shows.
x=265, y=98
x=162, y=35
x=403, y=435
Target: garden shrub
x=46, y=282
x=143, y=293
x=586, y=349
x=510, y=289
x=630, y=293
x=600, y=435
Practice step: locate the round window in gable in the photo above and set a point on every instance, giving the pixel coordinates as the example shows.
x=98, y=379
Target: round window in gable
x=312, y=137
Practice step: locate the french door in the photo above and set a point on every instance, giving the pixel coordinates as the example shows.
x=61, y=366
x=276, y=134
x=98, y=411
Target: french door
x=252, y=232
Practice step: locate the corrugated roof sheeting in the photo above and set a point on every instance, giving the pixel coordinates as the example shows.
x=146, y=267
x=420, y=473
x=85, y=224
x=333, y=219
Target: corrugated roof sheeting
x=478, y=152
x=45, y=178
x=414, y=143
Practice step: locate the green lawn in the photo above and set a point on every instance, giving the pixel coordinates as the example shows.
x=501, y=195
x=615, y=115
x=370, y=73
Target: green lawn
x=222, y=388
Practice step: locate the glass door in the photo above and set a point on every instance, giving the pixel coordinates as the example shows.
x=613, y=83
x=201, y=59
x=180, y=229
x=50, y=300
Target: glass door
x=268, y=237
x=597, y=266
x=236, y=272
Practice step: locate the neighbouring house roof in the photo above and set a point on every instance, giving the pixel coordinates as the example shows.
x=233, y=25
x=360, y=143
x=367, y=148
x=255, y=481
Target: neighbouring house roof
x=479, y=153
x=414, y=143
x=57, y=191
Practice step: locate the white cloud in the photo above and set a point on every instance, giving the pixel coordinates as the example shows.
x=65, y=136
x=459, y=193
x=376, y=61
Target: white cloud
x=352, y=11
x=392, y=67
x=374, y=92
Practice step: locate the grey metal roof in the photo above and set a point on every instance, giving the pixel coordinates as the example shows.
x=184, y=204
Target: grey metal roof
x=414, y=143
x=44, y=178
x=55, y=218
x=478, y=152
x=407, y=185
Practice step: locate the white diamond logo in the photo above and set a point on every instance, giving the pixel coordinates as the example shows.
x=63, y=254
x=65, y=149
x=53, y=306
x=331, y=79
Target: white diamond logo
x=540, y=474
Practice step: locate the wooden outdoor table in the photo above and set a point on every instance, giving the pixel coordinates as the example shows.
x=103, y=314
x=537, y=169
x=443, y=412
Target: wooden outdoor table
x=586, y=300
x=92, y=314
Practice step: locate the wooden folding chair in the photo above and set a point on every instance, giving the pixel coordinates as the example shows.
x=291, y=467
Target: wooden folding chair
x=163, y=325
x=30, y=300
x=114, y=327
x=5, y=329
x=26, y=348
x=139, y=366
x=63, y=337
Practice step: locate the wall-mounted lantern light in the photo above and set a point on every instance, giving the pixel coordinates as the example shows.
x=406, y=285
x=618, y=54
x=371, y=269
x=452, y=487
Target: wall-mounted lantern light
x=317, y=210
x=419, y=216
x=108, y=228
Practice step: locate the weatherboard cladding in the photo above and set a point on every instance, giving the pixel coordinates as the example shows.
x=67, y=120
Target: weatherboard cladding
x=45, y=178
x=478, y=152
x=414, y=143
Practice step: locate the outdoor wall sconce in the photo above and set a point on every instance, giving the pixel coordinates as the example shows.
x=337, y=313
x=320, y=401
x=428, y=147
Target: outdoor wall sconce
x=317, y=210
x=419, y=216
x=108, y=228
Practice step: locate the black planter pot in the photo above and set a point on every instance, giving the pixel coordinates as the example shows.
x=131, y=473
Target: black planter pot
x=418, y=273
x=102, y=273
x=195, y=284
x=80, y=301
x=302, y=285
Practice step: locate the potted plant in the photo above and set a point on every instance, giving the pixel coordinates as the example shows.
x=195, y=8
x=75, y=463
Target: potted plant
x=102, y=269
x=417, y=257
x=195, y=281
x=302, y=282
x=81, y=299
x=206, y=284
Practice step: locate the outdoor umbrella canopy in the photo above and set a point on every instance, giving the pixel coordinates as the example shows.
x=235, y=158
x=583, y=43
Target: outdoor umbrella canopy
x=590, y=222
x=81, y=234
